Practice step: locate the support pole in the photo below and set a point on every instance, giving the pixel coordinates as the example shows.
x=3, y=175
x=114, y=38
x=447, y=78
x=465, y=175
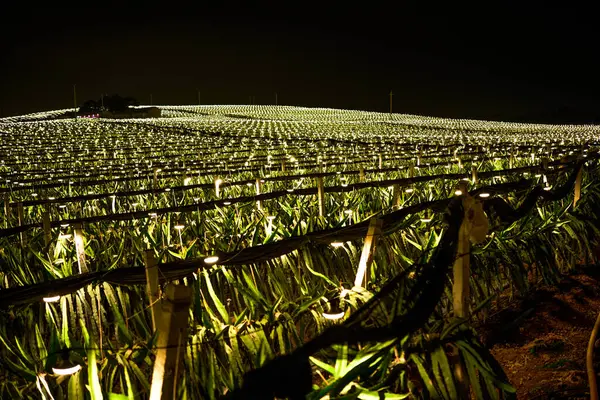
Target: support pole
x=47, y=228
x=366, y=258
x=395, y=196
x=218, y=182
x=461, y=271
x=361, y=173
x=474, y=178
x=172, y=339
x=152, y=286
x=321, y=196
x=80, y=247
x=6, y=209
x=380, y=162
x=577, y=193
x=258, y=187
x=75, y=97
x=21, y=218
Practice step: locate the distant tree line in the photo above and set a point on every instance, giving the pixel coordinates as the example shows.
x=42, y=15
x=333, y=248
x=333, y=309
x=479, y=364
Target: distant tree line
x=112, y=103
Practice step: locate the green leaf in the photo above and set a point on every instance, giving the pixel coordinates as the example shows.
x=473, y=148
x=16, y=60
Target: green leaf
x=116, y=396
x=324, y=366
x=425, y=376
x=444, y=374
x=372, y=395
x=76, y=388
x=220, y=307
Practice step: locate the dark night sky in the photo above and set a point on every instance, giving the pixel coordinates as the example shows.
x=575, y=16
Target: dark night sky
x=505, y=62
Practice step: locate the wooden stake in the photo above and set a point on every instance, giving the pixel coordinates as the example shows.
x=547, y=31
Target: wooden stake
x=321, y=195
x=80, y=247
x=461, y=270
x=395, y=196
x=283, y=165
x=258, y=187
x=577, y=194
x=218, y=182
x=21, y=218
x=366, y=258
x=47, y=228
x=474, y=177
x=361, y=173
x=172, y=339
x=380, y=162
x=6, y=209
x=152, y=286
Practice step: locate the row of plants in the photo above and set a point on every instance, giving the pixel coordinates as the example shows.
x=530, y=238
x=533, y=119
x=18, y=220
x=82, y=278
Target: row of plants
x=199, y=233
x=241, y=317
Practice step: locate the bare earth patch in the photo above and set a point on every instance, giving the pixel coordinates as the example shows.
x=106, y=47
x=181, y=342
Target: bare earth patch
x=541, y=340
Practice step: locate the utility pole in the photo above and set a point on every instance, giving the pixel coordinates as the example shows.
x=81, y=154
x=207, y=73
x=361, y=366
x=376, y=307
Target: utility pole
x=391, y=94
x=75, y=97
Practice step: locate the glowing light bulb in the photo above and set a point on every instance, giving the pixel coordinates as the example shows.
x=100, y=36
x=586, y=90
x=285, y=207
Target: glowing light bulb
x=66, y=371
x=211, y=259
x=333, y=316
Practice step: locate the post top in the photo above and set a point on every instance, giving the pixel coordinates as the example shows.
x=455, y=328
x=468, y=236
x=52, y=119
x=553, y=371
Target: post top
x=179, y=294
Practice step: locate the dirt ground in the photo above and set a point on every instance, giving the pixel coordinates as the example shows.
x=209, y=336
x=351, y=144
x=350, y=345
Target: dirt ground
x=541, y=340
